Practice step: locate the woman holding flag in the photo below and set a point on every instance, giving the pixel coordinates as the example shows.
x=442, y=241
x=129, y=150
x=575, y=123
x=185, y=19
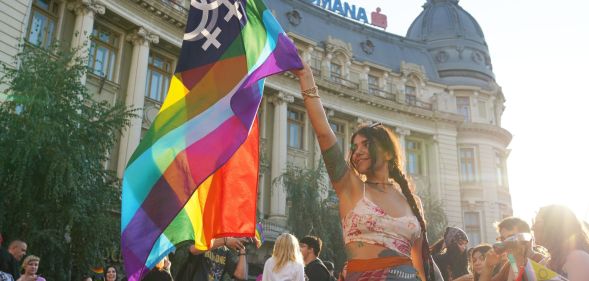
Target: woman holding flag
x=383, y=224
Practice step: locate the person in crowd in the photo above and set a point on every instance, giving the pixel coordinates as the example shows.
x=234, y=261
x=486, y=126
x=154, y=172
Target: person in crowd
x=86, y=278
x=10, y=260
x=382, y=220
x=286, y=262
x=450, y=254
x=496, y=267
x=111, y=273
x=5, y=276
x=331, y=268
x=315, y=270
x=158, y=273
x=476, y=260
x=167, y=265
x=558, y=229
x=29, y=267
x=227, y=256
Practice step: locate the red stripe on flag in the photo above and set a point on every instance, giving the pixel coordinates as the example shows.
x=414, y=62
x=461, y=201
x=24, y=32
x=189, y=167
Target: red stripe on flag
x=230, y=209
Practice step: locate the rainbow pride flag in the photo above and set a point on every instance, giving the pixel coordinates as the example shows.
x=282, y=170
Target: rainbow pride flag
x=259, y=234
x=194, y=175
x=537, y=272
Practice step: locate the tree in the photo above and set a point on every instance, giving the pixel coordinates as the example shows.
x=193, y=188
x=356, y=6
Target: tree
x=309, y=214
x=435, y=216
x=56, y=193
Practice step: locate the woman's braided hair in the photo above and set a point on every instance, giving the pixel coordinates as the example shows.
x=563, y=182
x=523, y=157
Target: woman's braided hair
x=385, y=139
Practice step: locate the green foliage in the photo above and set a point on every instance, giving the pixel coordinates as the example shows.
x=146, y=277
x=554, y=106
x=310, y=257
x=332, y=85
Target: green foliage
x=435, y=216
x=310, y=215
x=55, y=191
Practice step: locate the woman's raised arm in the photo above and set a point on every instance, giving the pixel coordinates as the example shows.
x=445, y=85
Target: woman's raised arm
x=332, y=154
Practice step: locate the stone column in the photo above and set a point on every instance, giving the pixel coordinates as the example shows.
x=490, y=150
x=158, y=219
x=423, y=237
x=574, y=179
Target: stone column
x=364, y=79
x=85, y=11
x=401, y=134
x=401, y=94
x=436, y=172
x=307, y=54
x=141, y=39
x=326, y=66
x=279, y=156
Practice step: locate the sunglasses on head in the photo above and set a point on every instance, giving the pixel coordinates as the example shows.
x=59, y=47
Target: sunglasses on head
x=374, y=125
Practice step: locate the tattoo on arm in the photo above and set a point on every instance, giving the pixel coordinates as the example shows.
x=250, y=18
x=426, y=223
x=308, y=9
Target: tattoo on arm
x=335, y=163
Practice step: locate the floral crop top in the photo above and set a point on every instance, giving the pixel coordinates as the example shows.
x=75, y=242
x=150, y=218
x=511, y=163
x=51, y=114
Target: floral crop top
x=369, y=223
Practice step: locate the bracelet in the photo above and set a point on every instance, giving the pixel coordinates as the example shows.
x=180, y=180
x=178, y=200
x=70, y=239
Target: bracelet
x=310, y=93
x=240, y=254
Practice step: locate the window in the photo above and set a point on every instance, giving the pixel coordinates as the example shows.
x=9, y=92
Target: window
x=467, y=165
x=295, y=129
x=499, y=168
x=43, y=22
x=472, y=225
x=316, y=65
x=482, y=109
x=463, y=107
x=410, y=97
x=340, y=135
x=159, y=73
x=414, y=152
x=103, y=51
x=336, y=72
x=372, y=84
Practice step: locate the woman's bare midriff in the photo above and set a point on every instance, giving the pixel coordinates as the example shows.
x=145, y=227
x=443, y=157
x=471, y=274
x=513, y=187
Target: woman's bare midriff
x=363, y=250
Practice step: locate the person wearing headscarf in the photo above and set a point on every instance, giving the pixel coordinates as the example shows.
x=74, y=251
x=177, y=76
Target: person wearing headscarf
x=450, y=254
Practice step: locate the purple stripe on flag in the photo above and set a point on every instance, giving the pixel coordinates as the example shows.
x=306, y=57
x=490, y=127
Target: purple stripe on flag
x=284, y=57
x=246, y=102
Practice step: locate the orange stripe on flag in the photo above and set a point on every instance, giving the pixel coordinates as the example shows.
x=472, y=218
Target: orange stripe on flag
x=229, y=210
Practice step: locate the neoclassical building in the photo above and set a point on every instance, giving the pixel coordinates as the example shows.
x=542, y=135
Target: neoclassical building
x=434, y=87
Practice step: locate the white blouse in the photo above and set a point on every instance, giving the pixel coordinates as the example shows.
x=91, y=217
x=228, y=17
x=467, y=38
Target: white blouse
x=291, y=271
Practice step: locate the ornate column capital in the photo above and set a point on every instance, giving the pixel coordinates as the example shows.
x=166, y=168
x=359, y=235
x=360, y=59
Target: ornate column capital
x=281, y=98
x=142, y=36
x=82, y=7
x=402, y=131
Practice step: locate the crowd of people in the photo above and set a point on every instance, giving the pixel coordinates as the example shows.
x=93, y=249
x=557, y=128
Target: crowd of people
x=383, y=226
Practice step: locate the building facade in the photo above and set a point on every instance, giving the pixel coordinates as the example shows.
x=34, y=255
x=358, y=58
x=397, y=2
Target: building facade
x=434, y=88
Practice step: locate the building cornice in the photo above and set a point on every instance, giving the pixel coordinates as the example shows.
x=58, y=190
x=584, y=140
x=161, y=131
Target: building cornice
x=355, y=95
x=486, y=131
x=138, y=12
x=166, y=12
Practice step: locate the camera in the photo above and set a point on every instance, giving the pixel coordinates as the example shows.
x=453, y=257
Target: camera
x=512, y=242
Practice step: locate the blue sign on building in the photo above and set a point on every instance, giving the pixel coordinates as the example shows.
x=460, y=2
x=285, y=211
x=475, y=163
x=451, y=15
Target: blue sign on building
x=344, y=9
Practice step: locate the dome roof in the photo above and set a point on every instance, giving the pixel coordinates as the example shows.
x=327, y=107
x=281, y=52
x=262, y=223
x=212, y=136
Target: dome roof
x=445, y=19
x=454, y=39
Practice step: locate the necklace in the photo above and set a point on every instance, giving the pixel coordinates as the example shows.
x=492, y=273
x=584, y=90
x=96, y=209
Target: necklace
x=377, y=183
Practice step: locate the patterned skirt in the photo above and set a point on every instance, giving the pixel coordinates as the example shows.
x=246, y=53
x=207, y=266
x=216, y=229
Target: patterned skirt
x=380, y=269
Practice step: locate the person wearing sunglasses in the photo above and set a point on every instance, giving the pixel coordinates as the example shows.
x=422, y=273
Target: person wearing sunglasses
x=515, y=238
x=382, y=219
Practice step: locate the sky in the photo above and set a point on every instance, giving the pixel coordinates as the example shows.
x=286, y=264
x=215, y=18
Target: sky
x=540, y=56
